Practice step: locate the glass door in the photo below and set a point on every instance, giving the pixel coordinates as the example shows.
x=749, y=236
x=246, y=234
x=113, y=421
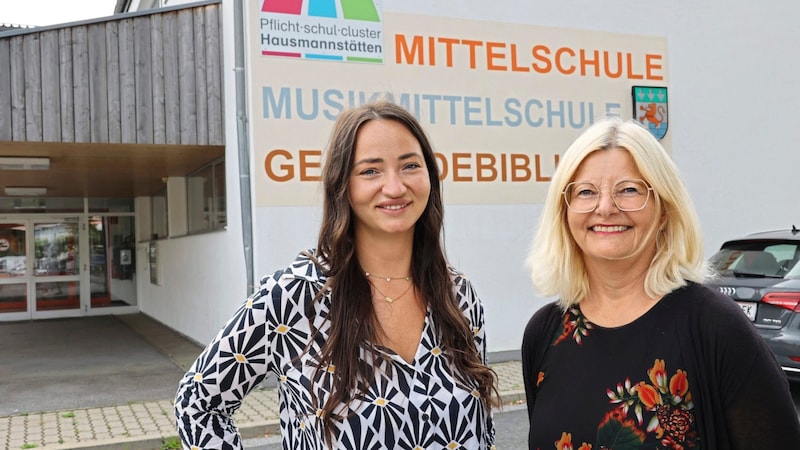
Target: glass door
x=13, y=270
x=112, y=261
x=66, y=266
x=56, y=266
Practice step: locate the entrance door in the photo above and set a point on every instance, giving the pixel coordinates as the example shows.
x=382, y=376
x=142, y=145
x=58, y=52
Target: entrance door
x=57, y=266
x=112, y=262
x=14, y=269
x=64, y=266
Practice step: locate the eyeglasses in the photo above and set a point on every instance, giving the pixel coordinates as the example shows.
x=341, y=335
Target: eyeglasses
x=628, y=195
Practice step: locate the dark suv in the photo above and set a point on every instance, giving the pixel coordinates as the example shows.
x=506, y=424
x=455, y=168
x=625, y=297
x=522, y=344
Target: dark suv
x=761, y=273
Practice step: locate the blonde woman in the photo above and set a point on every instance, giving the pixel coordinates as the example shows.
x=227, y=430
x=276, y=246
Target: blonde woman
x=635, y=352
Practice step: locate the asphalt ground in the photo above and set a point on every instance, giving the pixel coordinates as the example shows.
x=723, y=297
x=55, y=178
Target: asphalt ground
x=75, y=363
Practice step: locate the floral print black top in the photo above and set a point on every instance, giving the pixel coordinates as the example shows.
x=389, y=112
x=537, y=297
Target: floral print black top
x=417, y=405
x=690, y=373
x=628, y=387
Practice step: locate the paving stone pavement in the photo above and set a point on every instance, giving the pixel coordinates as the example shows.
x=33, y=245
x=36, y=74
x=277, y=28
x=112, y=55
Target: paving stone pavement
x=146, y=425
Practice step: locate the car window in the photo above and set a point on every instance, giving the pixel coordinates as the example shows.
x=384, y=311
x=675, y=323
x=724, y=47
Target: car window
x=782, y=251
x=756, y=258
x=794, y=272
x=724, y=260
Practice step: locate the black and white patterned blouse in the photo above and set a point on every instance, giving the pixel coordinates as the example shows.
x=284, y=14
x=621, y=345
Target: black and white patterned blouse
x=418, y=405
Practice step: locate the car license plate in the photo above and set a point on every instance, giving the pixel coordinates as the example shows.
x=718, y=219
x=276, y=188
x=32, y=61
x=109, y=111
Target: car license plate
x=749, y=309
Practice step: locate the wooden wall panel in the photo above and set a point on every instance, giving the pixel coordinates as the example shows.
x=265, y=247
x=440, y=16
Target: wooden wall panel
x=98, y=83
x=80, y=83
x=200, y=64
x=171, y=98
x=214, y=76
x=143, y=73
x=127, y=88
x=51, y=87
x=5, y=92
x=65, y=76
x=151, y=78
x=157, y=64
x=113, y=77
x=33, y=87
x=17, y=89
x=186, y=78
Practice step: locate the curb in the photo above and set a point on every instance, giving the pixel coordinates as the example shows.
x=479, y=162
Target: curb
x=512, y=397
x=246, y=431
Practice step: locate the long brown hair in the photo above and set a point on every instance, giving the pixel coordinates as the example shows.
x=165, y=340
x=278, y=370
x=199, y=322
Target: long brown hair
x=352, y=317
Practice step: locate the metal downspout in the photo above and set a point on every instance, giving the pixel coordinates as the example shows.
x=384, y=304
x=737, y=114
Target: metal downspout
x=243, y=140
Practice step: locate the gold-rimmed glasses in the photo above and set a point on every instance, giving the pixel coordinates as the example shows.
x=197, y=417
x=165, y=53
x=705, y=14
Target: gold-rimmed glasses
x=628, y=195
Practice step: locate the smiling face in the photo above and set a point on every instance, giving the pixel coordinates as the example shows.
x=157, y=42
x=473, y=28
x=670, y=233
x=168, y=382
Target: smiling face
x=389, y=182
x=608, y=234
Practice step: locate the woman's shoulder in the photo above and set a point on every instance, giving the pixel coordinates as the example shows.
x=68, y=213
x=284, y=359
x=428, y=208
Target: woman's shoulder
x=539, y=330
x=544, y=317
x=707, y=308
x=466, y=296
x=458, y=277
x=306, y=268
x=700, y=298
x=460, y=280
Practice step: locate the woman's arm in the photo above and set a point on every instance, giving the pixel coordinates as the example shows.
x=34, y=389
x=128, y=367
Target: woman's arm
x=473, y=311
x=536, y=339
x=233, y=364
x=530, y=368
x=756, y=399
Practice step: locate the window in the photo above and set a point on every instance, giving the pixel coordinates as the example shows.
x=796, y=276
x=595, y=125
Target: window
x=158, y=215
x=110, y=204
x=205, y=191
x=219, y=191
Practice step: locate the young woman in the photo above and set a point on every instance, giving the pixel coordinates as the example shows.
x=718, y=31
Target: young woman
x=375, y=341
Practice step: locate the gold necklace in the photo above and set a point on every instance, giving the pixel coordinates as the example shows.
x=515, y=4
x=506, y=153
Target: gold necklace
x=390, y=299
x=388, y=279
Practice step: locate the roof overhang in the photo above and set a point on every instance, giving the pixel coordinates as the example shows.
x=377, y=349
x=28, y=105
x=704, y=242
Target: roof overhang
x=103, y=170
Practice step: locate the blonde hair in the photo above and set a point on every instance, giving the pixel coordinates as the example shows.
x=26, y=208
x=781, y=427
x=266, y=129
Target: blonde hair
x=555, y=260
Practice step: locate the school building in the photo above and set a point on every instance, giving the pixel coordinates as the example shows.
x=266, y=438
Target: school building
x=163, y=159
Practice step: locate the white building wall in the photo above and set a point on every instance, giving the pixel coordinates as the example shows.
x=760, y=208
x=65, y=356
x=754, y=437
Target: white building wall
x=203, y=277
x=732, y=102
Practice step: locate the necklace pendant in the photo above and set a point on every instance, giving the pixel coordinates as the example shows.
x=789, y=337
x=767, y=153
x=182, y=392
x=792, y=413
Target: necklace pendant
x=388, y=279
x=389, y=299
